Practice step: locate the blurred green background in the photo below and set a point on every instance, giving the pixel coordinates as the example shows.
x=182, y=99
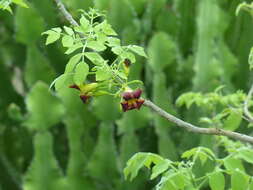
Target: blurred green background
x=50, y=141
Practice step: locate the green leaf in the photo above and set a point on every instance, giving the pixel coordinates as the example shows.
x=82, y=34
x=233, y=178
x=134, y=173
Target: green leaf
x=102, y=74
x=81, y=72
x=189, y=98
x=206, y=120
x=101, y=37
x=234, y=120
x=5, y=5
x=168, y=185
x=135, y=81
x=246, y=154
x=72, y=63
x=200, y=152
x=94, y=57
x=134, y=165
x=240, y=7
x=52, y=37
x=239, y=180
x=67, y=41
x=74, y=48
x=62, y=81
x=233, y=164
x=44, y=109
x=117, y=50
x=139, y=50
x=160, y=168
x=128, y=55
x=96, y=45
x=107, y=28
x=57, y=29
x=172, y=181
x=179, y=180
x=68, y=30
x=112, y=42
x=138, y=161
x=189, y=153
x=202, y=156
x=217, y=180
x=84, y=23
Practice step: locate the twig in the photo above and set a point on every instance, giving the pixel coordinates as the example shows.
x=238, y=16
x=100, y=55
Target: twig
x=246, y=105
x=65, y=13
x=192, y=128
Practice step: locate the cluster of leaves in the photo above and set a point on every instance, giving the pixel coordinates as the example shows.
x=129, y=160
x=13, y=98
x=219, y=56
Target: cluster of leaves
x=182, y=175
x=87, y=42
x=224, y=111
x=6, y=4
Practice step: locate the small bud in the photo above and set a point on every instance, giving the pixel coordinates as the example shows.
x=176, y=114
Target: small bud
x=127, y=62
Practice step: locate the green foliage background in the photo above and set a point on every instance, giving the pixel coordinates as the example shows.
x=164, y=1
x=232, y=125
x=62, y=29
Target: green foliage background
x=55, y=142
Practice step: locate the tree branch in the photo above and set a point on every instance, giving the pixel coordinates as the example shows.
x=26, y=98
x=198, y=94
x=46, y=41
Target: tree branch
x=194, y=129
x=65, y=13
x=246, y=105
x=189, y=127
